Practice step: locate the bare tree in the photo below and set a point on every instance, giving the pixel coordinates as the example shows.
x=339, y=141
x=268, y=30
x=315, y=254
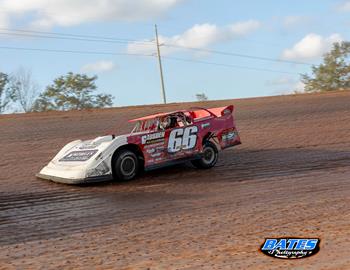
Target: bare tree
x=6, y=94
x=25, y=89
x=201, y=97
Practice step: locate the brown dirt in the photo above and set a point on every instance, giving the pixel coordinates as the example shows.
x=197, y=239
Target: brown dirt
x=290, y=177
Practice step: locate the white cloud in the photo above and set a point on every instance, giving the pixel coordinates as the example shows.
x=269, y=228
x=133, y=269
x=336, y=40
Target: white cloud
x=67, y=12
x=243, y=28
x=286, y=85
x=294, y=20
x=299, y=87
x=4, y=22
x=312, y=46
x=198, y=36
x=344, y=6
x=99, y=67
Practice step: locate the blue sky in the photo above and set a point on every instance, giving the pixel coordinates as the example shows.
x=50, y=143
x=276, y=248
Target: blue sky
x=295, y=30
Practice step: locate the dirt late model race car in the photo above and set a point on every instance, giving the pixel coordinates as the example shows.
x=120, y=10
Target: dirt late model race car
x=158, y=140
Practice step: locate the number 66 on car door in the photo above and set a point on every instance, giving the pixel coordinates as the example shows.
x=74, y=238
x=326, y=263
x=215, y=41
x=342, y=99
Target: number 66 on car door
x=182, y=139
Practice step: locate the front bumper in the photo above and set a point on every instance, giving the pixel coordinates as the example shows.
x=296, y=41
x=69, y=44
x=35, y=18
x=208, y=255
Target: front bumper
x=69, y=181
x=73, y=173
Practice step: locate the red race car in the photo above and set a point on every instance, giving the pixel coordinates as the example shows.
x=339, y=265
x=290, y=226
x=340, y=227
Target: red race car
x=158, y=140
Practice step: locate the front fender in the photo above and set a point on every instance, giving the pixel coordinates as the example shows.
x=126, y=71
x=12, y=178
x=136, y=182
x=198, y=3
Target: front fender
x=103, y=162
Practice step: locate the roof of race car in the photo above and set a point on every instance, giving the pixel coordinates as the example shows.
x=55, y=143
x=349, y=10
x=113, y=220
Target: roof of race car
x=197, y=111
x=156, y=115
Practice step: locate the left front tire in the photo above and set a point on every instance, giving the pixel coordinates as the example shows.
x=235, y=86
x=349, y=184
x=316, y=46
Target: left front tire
x=125, y=165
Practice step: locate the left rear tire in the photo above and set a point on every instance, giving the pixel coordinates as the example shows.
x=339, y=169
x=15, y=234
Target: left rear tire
x=209, y=157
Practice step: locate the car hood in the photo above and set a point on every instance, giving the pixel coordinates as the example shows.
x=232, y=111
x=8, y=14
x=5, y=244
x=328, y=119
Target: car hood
x=80, y=158
x=78, y=152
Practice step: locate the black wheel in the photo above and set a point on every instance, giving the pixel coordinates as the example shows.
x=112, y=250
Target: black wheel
x=125, y=165
x=209, y=158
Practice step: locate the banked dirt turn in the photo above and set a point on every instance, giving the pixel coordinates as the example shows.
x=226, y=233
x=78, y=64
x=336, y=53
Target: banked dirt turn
x=290, y=177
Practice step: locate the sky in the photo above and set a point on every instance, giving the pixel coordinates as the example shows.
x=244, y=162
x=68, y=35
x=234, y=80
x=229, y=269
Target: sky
x=225, y=49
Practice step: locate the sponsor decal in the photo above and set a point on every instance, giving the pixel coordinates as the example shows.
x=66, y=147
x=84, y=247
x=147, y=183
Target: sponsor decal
x=153, y=138
x=88, y=146
x=290, y=248
x=155, y=151
x=205, y=125
x=151, y=150
x=156, y=155
x=153, y=145
x=228, y=136
x=79, y=155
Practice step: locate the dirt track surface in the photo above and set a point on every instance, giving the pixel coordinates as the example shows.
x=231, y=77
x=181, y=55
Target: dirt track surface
x=290, y=177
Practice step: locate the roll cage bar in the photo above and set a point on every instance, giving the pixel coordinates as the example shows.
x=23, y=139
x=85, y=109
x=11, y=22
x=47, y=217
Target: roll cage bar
x=152, y=123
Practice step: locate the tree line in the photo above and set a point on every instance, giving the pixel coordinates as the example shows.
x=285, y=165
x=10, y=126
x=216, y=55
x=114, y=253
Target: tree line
x=67, y=92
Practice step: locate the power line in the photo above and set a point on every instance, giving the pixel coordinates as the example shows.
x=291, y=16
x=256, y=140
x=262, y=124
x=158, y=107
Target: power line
x=238, y=55
x=143, y=55
x=228, y=65
x=92, y=38
x=73, y=51
x=63, y=38
x=83, y=37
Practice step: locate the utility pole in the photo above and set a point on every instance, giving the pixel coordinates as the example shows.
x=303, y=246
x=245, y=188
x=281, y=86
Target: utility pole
x=160, y=66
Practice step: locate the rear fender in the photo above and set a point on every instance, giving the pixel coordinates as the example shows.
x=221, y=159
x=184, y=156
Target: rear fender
x=211, y=137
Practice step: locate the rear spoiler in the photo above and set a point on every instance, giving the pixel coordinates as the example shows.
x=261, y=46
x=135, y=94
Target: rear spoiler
x=227, y=110
x=215, y=112
x=196, y=109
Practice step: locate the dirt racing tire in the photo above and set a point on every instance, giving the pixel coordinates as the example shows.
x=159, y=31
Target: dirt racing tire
x=125, y=165
x=209, y=158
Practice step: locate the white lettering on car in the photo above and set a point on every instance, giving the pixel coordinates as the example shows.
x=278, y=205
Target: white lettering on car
x=153, y=137
x=184, y=139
